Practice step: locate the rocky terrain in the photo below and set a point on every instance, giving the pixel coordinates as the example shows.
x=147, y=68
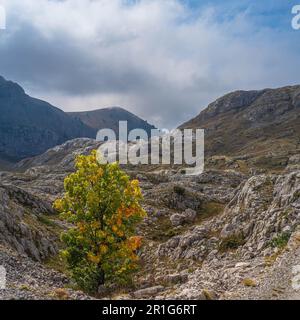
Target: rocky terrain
x=232, y=232
x=222, y=235
x=260, y=125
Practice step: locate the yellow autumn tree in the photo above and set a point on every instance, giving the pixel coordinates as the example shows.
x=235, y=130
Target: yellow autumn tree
x=103, y=206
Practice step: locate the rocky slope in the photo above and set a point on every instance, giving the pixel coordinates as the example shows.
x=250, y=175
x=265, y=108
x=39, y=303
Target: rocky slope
x=20, y=212
x=257, y=123
x=30, y=280
x=224, y=234
x=30, y=126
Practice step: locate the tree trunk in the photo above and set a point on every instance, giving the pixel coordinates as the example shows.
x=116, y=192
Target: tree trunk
x=101, y=280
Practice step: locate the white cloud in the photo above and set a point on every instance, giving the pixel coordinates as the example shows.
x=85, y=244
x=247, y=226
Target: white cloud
x=158, y=58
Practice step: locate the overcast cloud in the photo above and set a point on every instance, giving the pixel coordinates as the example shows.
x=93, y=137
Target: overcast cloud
x=161, y=59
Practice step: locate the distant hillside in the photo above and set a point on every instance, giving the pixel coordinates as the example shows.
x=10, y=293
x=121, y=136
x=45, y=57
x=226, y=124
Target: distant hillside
x=110, y=117
x=251, y=122
x=30, y=126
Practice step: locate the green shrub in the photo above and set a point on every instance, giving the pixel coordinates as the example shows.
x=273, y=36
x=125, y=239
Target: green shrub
x=103, y=206
x=179, y=190
x=280, y=241
x=232, y=242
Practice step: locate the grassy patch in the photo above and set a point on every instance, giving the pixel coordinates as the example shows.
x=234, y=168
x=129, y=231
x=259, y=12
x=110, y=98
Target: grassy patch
x=42, y=223
x=242, y=166
x=269, y=260
x=47, y=221
x=249, y=282
x=179, y=190
x=163, y=230
x=209, y=210
x=207, y=294
x=25, y=287
x=232, y=242
x=296, y=195
x=60, y=294
x=57, y=263
x=280, y=241
x=276, y=162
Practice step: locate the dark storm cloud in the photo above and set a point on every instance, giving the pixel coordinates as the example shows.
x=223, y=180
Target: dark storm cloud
x=61, y=65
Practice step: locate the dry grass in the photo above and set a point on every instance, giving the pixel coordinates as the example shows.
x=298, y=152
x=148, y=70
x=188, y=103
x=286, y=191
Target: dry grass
x=247, y=282
x=60, y=294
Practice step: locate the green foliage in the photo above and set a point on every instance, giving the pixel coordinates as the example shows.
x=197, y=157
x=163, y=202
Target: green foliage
x=179, y=190
x=210, y=209
x=104, y=208
x=48, y=222
x=58, y=263
x=232, y=242
x=296, y=195
x=280, y=241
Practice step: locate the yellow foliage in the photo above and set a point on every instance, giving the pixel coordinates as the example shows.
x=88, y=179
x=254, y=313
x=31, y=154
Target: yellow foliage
x=104, y=207
x=93, y=258
x=103, y=249
x=135, y=242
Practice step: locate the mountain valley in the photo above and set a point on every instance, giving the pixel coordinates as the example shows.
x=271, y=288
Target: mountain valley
x=229, y=233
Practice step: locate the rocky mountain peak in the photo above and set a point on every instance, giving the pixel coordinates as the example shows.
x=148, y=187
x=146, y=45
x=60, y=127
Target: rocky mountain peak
x=251, y=121
x=29, y=126
x=233, y=101
x=10, y=89
x=253, y=101
x=110, y=117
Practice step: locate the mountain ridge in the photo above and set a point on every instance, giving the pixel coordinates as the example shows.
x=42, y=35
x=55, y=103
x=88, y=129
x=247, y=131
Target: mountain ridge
x=109, y=118
x=244, y=122
x=30, y=126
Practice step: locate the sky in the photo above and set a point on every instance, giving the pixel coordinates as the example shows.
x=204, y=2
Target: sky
x=164, y=60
